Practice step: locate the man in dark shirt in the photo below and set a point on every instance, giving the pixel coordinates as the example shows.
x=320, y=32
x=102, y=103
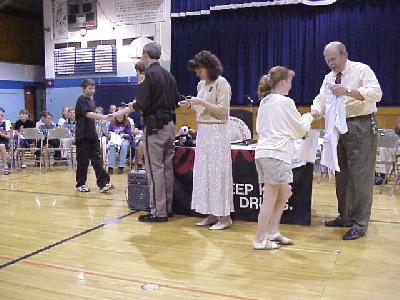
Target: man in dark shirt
x=45, y=128
x=87, y=142
x=23, y=120
x=157, y=97
x=20, y=124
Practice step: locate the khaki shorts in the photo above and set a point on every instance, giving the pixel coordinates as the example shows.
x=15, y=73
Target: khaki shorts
x=273, y=171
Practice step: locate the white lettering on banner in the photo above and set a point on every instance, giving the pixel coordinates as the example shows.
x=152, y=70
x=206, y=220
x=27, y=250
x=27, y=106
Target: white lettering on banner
x=242, y=189
x=250, y=202
x=246, y=200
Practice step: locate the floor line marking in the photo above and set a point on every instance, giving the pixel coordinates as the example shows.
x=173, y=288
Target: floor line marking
x=123, y=278
x=45, y=248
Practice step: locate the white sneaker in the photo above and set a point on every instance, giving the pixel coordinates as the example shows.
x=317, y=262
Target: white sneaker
x=83, y=188
x=221, y=225
x=265, y=245
x=106, y=188
x=23, y=166
x=277, y=237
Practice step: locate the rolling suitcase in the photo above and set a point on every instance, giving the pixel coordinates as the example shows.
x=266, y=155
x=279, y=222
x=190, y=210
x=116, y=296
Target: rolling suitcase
x=138, y=191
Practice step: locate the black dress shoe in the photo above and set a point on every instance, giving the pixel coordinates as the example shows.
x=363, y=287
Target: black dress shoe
x=153, y=219
x=333, y=223
x=353, y=234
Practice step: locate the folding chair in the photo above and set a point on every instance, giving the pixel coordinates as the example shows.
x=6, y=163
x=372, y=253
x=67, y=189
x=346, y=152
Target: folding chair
x=397, y=167
x=35, y=135
x=134, y=152
x=387, y=140
x=59, y=133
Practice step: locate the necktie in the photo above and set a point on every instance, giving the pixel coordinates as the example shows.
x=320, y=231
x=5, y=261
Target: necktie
x=338, y=79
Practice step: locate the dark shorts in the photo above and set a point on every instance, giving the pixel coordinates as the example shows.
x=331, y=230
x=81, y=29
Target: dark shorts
x=23, y=143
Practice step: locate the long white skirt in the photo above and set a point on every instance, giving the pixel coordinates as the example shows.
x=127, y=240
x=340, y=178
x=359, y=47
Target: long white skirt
x=212, y=172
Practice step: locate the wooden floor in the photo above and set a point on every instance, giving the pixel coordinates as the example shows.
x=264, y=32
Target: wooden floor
x=85, y=246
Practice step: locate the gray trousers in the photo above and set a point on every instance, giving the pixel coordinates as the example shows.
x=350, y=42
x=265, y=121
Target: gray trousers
x=355, y=181
x=158, y=152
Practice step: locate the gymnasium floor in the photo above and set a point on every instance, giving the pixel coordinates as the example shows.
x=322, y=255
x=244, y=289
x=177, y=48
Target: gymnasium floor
x=56, y=243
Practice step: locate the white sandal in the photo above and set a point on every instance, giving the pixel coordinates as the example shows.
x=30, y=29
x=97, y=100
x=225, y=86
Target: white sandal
x=277, y=237
x=207, y=221
x=265, y=245
x=221, y=225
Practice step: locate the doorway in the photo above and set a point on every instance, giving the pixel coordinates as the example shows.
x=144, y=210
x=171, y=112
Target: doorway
x=30, y=102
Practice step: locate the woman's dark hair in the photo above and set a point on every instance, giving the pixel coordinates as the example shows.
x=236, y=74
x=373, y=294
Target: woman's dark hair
x=208, y=61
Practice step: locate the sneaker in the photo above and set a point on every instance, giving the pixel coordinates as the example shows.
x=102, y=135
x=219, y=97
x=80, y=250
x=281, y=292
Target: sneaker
x=23, y=166
x=105, y=188
x=110, y=171
x=6, y=171
x=265, y=245
x=83, y=188
x=221, y=225
x=120, y=170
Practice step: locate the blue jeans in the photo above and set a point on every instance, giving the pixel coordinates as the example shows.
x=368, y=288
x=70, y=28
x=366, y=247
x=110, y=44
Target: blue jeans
x=123, y=151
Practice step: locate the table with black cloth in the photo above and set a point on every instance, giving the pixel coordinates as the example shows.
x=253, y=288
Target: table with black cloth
x=247, y=197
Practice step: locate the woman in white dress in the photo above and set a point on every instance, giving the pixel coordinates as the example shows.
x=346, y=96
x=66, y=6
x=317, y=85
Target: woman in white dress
x=212, y=173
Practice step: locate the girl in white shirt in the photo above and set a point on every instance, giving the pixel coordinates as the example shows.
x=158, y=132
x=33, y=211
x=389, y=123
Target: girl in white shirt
x=64, y=116
x=278, y=124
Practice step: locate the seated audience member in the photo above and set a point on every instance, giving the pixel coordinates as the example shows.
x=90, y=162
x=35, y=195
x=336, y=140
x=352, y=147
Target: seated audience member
x=5, y=137
x=112, y=109
x=45, y=128
x=102, y=131
x=101, y=125
x=20, y=124
x=120, y=132
x=138, y=146
x=70, y=125
x=39, y=123
x=130, y=120
x=64, y=116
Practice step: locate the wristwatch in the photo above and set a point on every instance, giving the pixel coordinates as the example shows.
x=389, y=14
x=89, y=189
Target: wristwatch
x=348, y=91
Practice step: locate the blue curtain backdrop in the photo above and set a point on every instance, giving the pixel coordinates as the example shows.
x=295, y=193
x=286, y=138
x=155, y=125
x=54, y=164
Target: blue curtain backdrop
x=249, y=41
